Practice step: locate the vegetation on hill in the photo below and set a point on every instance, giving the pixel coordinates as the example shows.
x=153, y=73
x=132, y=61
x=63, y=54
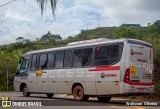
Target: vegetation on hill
x=10, y=53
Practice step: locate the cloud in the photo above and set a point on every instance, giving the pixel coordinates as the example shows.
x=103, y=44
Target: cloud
x=22, y=18
x=128, y=11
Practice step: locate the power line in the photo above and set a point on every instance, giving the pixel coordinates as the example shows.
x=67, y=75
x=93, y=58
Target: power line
x=7, y=3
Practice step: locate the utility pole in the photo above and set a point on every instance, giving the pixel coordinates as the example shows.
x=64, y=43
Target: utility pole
x=98, y=22
x=7, y=63
x=7, y=77
x=87, y=26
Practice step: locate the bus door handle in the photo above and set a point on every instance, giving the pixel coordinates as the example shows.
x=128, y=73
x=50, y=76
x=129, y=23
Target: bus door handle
x=43, y=81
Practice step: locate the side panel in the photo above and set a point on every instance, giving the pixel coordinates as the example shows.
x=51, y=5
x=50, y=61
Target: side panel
x=107, y=79
x=66, y=78
x=48, y=82
x=33, y=82
x=90, y=83
x=17, y=83
x=63, y=83
x=52, y=80
x=107, y=87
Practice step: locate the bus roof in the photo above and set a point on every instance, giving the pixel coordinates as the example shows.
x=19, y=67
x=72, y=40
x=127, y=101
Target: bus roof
x=89, y=44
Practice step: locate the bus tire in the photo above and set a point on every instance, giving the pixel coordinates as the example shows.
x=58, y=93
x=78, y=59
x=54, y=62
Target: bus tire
x=78, y=94
x=104, y=99
x=49, y=95
x=25, y=91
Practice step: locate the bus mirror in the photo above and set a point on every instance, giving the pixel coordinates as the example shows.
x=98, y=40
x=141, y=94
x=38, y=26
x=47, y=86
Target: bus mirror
x=39, y=73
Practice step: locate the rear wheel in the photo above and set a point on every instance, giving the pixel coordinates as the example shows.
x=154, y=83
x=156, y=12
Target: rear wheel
x=104, y=99
x=49, y=95
x=25, y=91
x=78, y=94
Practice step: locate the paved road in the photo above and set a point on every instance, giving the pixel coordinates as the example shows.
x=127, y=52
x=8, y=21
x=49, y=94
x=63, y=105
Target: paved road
x=69, y=103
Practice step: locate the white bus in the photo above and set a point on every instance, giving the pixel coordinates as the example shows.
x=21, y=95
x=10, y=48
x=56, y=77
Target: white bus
x=99, y=68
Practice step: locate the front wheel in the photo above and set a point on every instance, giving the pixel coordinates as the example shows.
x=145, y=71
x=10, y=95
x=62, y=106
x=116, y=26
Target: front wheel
x=78, y=94
x=25, y=91
x=104, y=99
x=49, y=95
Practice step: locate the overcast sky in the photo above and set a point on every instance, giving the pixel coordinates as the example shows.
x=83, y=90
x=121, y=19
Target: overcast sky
x=22, y=18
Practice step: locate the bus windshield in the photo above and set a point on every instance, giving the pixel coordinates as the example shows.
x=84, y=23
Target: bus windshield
x=23, y=65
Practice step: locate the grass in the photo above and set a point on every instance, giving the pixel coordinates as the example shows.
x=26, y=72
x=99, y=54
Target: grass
x=4, y=88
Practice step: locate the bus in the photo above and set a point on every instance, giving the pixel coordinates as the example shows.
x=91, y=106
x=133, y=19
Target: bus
x=100, y=68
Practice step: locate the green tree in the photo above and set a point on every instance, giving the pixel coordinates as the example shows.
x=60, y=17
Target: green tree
x=154, y=39
x=19, y=39
x=157, y=26
x=26, y=41
x=127, y=32
x=70, y=38
x=50, y=37
x=56, y=38
x=46, y=37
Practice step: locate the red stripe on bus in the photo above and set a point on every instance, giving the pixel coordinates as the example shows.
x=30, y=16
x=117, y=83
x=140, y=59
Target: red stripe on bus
x=141, y=84
x=105, y=68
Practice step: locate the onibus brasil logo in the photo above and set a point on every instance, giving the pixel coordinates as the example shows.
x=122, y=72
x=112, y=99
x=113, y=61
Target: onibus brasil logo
x=6, y=103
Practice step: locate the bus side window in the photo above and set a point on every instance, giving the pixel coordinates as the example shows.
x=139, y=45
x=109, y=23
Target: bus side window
x=43, y=61
x=78, y=58
x=68, y=59
x=50, y=62
x=100, y=56
x=33, y=62
x=113, y=54
x=83, y=57
x=87, y=60
x=59, y=59
x=106, y=55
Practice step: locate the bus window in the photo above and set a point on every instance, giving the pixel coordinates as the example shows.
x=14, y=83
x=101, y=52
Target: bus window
x=24, y=66
x=100, y=56
x=43, y=61
x=59, y=60
x=33, y=63
x=113, y=54
x=106, y=55
x=87, y=61
x=78, y=58
x=68, y=59
x=51, y=58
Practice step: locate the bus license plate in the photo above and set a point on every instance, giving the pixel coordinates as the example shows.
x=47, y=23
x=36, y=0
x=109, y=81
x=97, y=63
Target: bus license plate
x=141, y=90
x=132, y=70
